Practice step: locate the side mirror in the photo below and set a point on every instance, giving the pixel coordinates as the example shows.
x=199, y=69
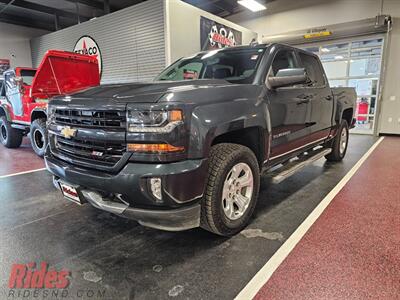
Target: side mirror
x=288, y=77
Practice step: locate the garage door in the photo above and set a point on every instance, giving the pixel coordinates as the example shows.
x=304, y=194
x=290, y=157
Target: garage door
x=354, y=63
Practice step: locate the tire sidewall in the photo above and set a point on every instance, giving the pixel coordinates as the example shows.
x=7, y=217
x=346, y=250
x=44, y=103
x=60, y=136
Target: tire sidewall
x=3, y=123
x=343, y=126
x=234, y=226
x=37, y=127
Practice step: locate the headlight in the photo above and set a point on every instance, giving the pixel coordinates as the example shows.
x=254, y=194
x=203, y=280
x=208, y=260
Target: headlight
x=153, y=121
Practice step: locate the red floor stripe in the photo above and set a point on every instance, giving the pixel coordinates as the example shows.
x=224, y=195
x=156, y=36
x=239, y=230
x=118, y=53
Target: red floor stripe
x=353, y=250
x=18, y=160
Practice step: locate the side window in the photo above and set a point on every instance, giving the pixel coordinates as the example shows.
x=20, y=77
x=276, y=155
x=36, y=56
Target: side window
x=313, y=69
x=2, y=90
x=284, y=59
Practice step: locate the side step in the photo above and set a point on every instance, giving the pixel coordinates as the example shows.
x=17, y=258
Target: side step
x=293, y=166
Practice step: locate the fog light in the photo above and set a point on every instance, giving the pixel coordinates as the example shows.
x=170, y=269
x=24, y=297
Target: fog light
x=155, y=186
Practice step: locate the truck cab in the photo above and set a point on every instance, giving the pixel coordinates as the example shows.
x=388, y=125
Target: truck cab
x=26, y=92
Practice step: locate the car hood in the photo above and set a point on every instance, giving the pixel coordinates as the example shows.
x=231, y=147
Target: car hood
x=149, y=92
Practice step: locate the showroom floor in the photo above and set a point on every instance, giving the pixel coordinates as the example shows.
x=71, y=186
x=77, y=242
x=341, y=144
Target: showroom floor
x=128, y=261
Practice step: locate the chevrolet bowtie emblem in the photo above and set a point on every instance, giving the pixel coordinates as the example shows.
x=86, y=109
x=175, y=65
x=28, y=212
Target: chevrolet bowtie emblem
x=68, y=132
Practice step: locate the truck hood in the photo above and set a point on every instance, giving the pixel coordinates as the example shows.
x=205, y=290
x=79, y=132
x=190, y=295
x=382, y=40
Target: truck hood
x=62, y=72
x=149, y=92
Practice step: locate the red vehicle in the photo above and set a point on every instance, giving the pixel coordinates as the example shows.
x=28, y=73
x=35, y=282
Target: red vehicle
x=25, y=94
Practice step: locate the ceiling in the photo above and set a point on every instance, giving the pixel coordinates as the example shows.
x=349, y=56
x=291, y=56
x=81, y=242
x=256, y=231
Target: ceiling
x=54, y=15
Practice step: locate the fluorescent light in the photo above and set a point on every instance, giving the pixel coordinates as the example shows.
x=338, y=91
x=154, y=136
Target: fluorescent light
x=253, y=5
x=325, y=50
x=339, y=57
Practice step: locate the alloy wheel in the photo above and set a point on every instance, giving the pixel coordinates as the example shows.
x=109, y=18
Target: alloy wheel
x=237, y=191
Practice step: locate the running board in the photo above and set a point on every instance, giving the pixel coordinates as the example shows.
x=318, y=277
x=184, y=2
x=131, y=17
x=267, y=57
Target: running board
x=292, y=167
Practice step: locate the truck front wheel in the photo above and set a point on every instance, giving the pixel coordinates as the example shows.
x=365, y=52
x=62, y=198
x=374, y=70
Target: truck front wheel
x=9, y=137
x=231, y=193
x=38, y=135
x=339, y=144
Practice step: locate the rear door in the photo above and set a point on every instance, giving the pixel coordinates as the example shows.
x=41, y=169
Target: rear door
x=289, y=109
x=320, y=96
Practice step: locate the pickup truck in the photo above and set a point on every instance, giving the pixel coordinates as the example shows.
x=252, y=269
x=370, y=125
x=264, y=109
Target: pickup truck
x=25, y=93
x=187, y=150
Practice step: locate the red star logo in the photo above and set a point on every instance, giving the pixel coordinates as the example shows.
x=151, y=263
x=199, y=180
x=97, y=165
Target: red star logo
x=85, y=49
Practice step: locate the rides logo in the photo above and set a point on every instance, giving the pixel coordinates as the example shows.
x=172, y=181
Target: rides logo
x=214, y=35
x=30, y=276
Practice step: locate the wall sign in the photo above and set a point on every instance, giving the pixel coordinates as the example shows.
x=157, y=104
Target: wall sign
x=4, y=65
x=88, y=46
x=214, y=35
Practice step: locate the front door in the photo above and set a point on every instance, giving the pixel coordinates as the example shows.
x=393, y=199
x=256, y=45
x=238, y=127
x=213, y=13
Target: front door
x=13, y=93
x=290, y=109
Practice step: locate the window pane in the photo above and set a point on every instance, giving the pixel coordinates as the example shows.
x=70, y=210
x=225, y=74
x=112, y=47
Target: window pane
x=365, y=67
x=314, y=50
x=366, y=44
x=335, y=52
x=335, y=69
x=337, y=83
x=283, y=60
x=313, y=69
x=363, y=86
x=366, y=52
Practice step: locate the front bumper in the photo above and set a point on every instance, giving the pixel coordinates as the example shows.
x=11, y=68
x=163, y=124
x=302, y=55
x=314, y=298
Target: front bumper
x=127, y=193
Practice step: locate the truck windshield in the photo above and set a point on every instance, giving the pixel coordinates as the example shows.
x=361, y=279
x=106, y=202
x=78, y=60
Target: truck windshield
x=233, y=65
x=27, y=76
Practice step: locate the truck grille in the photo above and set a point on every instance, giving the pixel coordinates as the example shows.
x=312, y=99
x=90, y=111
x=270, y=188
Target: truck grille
x=105, y=152
x=115, y=120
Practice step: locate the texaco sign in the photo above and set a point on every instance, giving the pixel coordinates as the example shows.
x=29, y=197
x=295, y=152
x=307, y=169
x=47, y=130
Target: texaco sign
x=87, y=45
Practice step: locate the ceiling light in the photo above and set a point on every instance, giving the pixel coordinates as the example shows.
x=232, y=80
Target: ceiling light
x=253, y=5
x=339, y=57
x=325, y=50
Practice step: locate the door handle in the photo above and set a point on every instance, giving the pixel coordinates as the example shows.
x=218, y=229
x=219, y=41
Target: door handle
x=329, y=98
x=305, y=101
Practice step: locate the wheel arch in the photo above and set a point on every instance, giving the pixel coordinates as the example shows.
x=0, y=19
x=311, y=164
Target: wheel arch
x=4, y=112
x=38, y=113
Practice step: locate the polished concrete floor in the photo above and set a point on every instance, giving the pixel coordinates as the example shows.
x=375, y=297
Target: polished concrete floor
x=124, y=260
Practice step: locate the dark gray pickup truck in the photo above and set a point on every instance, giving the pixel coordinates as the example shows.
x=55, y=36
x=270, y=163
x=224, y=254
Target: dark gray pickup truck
x=187, y=150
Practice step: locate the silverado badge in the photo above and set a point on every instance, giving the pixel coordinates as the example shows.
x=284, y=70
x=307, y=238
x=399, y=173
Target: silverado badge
x=68, y=132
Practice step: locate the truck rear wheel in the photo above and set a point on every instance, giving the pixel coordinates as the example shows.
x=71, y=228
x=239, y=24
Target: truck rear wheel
x=38, y=136
x=9, y=137
x=339, y=145
x=233, y=182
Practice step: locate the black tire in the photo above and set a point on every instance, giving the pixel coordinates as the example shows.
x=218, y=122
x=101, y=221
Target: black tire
x=9, y=137
x=223, y=157
x=338, y=149
x=38, y=136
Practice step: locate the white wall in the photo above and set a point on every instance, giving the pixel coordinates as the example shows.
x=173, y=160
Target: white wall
x=14, y=43
x=183, y=21
x=312, y=14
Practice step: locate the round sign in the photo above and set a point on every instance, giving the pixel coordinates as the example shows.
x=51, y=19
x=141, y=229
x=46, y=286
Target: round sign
x=88, y=46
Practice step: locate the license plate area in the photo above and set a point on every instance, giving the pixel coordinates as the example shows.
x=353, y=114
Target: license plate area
x=71, y=193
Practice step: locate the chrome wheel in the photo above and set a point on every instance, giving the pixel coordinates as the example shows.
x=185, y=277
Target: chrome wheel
x=343, y=141
x=38, y=139
x=237, y=191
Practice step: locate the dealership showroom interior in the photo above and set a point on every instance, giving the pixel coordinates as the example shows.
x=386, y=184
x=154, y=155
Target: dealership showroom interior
x=200, y=149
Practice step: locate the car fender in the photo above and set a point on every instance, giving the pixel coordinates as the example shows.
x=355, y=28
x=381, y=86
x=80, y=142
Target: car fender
x=212, y=120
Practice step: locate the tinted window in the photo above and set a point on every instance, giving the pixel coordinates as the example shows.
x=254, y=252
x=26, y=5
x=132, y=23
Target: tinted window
x=27, y=76
x=313, y=69
x=284, y=59
x=233, y=65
